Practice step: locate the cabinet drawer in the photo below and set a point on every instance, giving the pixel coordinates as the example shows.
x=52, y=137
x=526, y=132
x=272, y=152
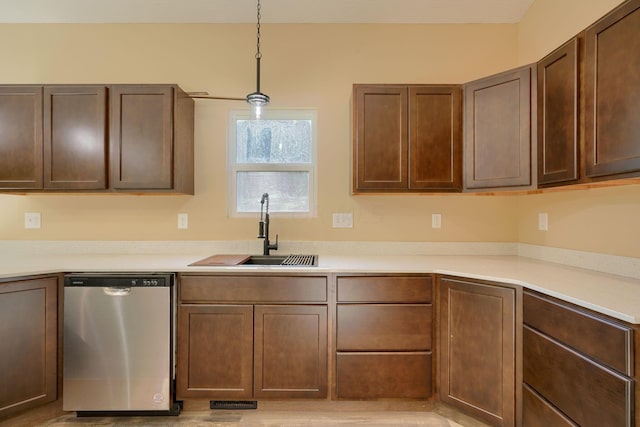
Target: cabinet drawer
x=253, y=289
x=588, y=393
x=537, y=412
x=384, y=327
x=411, y=289
x=608, y=342
x=383, y=375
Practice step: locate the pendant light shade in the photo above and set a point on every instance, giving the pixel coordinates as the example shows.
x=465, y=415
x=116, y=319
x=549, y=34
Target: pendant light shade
x=258, y=99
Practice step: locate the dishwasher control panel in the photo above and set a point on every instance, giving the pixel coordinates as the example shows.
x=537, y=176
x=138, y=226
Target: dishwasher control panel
x=117, y=280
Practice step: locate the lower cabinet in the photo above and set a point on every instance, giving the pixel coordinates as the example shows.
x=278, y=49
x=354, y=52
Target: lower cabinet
x=29, y=350
x=384, y=337
x=577, y=366
x=290, y=351
x=215, y=351
x=242, y=337
x=477, y=347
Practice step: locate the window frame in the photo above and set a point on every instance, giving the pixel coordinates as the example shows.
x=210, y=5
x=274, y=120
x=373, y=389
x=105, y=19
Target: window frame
x=233, y=167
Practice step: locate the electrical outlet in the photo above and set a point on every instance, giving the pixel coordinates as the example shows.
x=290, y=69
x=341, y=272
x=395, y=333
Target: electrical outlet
x=342, y=220
x=436, y=220
x=543, y=221
x=183, y=221
x=32, y=220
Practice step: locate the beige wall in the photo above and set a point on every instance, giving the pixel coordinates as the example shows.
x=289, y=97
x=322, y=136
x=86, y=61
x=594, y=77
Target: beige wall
x=600, y=220
x=549, y=23
x=303, y=66
x=327, y=60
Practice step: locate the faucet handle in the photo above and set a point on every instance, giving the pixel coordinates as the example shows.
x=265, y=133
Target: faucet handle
x=274, y=246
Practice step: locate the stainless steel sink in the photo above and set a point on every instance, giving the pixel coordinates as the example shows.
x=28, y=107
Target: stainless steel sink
x=283, y=260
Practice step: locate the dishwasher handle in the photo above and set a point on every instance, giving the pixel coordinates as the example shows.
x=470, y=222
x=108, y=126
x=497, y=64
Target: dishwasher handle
x=116, y=291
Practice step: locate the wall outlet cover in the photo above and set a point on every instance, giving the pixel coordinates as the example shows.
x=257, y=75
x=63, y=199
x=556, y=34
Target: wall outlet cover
x=32, y=220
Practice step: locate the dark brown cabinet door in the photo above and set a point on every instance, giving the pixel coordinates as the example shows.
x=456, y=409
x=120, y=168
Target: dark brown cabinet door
x=587, y=392
x=380, y=140
x=20, y=137
x=612, y=90
x=142, y=153
x=435, y=138
x=383, y=375
x=537, y=412
x=497, y=139
x=215, y=351
x=384, y=327
x=558, y=115
x=477, y=349
x=29, y=350
x=75, y=137
x=576, y=363
x=290, y=351
x=407, y=138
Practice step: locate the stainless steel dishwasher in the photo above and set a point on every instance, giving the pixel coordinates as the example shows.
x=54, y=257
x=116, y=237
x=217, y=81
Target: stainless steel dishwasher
x=118, y=344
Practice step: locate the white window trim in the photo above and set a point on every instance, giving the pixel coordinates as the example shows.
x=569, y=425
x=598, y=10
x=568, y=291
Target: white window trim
x=233, y=167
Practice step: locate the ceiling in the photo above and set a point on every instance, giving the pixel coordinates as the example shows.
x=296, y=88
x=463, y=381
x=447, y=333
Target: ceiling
x=273, y=11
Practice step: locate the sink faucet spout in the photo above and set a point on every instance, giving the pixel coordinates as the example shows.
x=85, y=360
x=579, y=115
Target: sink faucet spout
x=263, y=229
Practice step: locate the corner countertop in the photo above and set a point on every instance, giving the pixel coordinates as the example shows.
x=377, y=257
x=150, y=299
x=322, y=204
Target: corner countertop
x=615, y=296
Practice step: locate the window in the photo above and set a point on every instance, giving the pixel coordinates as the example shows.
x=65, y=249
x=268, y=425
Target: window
x=275, y=155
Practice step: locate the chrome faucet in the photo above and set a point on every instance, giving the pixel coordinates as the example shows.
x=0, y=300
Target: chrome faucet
x=263, y=231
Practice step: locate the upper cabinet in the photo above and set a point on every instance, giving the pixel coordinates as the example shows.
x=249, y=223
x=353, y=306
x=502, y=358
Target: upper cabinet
x=497, y=130
x=151, y=141
x=75, y=137
x=407, y=138
x=56, y=138
x=612, y=90
x=559, y=115
x=587, y=103
x=53, y=138
x=20, y=137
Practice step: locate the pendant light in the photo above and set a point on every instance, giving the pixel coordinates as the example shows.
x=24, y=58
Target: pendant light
x=258, y=99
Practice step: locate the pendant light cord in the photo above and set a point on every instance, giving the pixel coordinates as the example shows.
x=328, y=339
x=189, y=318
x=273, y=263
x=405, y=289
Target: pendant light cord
x=258, y=53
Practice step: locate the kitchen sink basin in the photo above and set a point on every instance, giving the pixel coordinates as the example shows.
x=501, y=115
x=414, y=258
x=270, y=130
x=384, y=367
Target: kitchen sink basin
x=283, y=260
x=245, y=260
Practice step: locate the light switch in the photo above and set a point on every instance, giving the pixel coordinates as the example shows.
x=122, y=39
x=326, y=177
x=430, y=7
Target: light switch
x=183, y=221
x=543, y=221
x=343, y=220
x=436, y=220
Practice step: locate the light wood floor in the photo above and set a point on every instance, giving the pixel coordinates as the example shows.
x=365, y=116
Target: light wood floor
x=271, y=414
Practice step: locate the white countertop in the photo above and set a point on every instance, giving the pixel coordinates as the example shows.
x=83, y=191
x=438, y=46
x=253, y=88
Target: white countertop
x=616, y=296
